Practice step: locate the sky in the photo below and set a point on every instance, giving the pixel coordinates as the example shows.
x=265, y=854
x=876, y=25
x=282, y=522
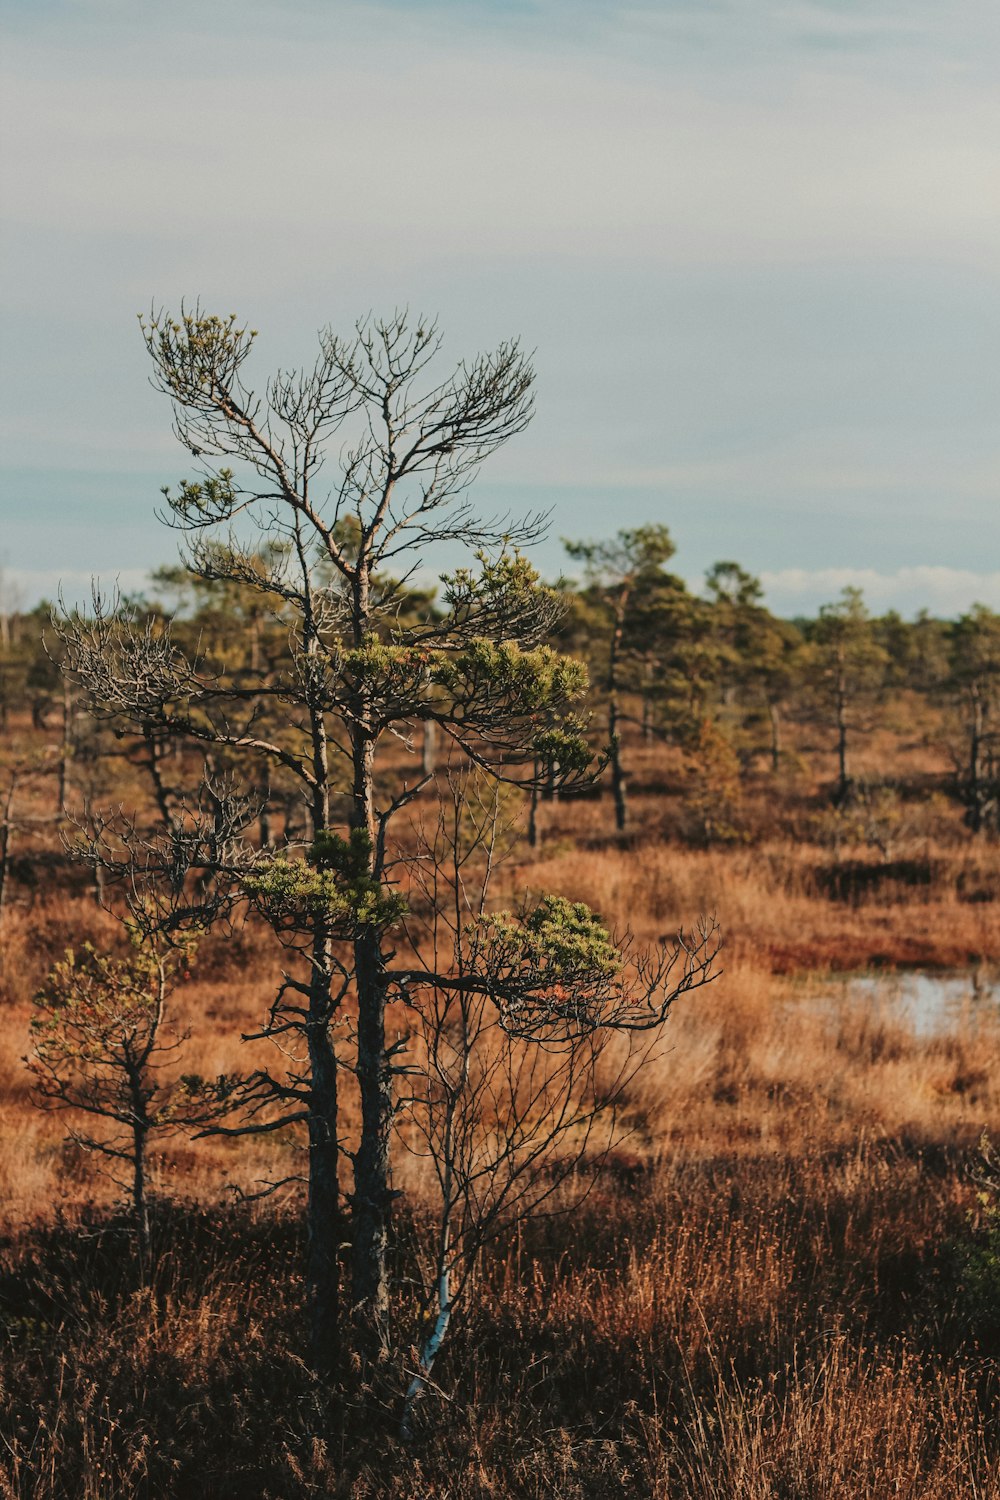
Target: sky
x=753, y=244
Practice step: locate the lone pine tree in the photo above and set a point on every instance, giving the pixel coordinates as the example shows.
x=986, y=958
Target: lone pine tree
x=616, y=571
x=361, y=665
x=98, y=1045
x=848, y=670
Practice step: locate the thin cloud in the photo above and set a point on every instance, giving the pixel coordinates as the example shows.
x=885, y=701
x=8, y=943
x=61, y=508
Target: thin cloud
x=941, y=591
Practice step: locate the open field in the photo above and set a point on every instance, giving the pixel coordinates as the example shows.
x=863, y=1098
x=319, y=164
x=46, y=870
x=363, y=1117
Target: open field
x=764, y=1295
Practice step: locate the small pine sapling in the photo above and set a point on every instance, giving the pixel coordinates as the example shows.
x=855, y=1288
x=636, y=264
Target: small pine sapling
x=98, y=1045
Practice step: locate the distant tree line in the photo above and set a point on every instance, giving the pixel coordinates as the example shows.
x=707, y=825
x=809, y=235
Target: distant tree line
x=715, y=673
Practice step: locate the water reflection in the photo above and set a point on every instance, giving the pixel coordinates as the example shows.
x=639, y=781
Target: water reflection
x=930, y=1002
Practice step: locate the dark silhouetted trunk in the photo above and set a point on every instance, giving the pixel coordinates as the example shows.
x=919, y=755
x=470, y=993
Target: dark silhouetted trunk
x=372, y=1199
x=264, y=824
x=159, y=788
x=533, y=810
x=618, y=779
x=140, y=1205
x=66, y=750
x=6, y=839
x=618, y=785
x=843, y=776
x=324, y=1225
x=975, y=816
x=323, y=1216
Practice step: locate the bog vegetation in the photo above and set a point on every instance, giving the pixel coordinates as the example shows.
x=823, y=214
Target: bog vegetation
x=377, y=1117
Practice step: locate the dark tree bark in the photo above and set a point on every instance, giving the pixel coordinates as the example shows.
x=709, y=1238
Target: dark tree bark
x=324, y=1222
x=618, y=778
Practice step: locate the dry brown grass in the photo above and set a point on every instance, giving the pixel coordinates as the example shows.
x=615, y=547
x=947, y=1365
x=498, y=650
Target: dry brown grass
x=785, y=906
x=762, y=1300
x=736, y=1327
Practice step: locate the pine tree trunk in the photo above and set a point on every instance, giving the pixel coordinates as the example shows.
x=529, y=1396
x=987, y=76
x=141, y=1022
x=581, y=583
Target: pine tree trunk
x=159, y=789
x=429, y=748
x=266, y=830
x=140, y=1206
x=533, y=811
x=324, y=1225
x=67, y=745
x=323, y=1217
x=372, y=1199
x=843, y=779
x=617, y=772
x=975, y=813
x=6, y=839
x=550, y=791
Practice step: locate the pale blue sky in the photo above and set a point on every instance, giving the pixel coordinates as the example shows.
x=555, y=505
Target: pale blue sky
x=755, y=246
